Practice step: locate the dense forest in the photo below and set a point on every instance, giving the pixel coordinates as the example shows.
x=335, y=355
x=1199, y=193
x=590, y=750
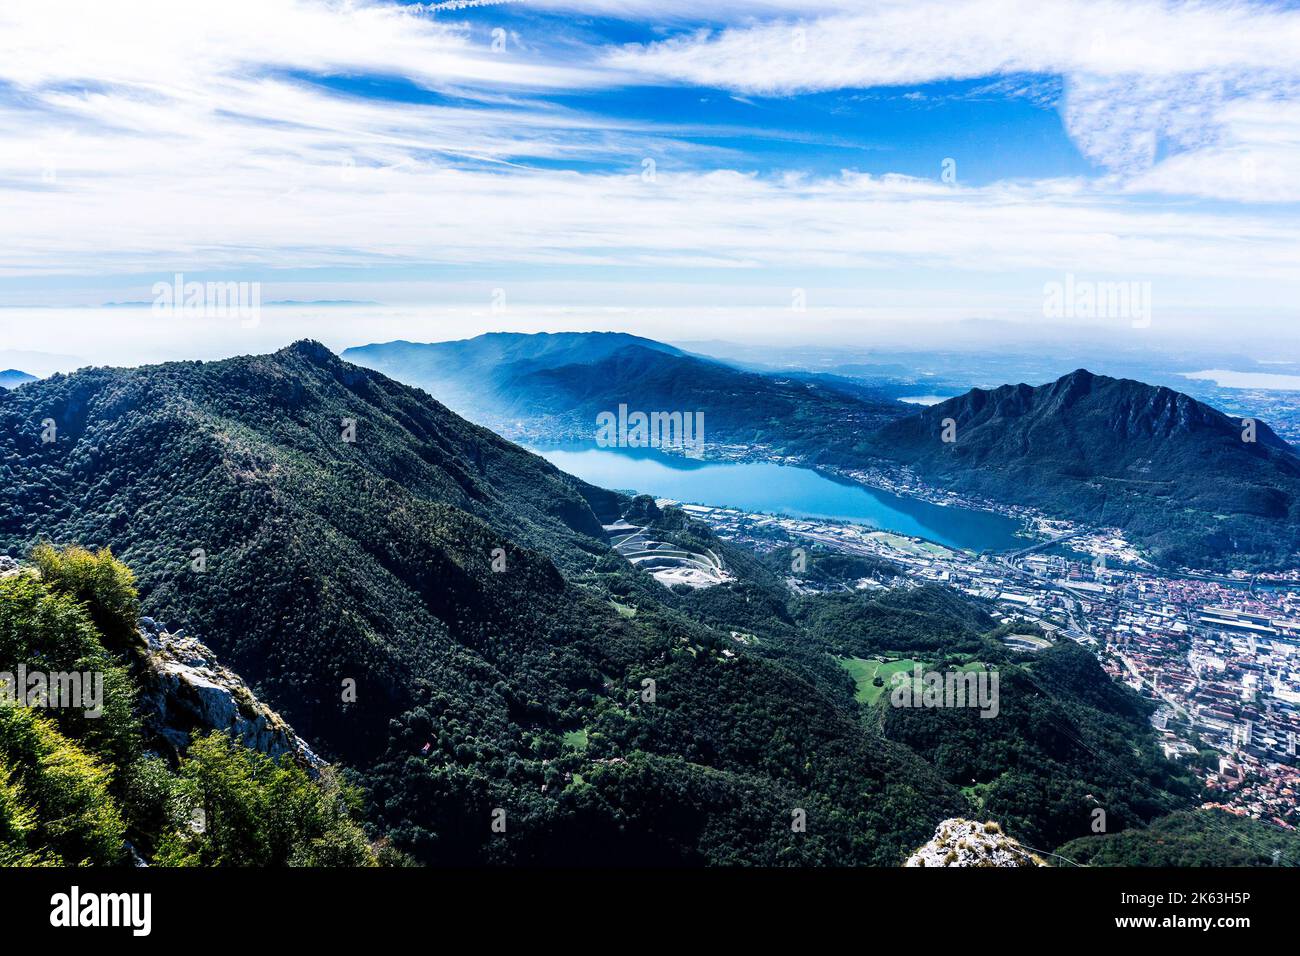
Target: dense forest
x=1200, y=838
x=439, y=612
x=82, y=789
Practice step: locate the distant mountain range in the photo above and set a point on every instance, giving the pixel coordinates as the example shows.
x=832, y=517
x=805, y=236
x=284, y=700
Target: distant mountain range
x=513, y=382
x=1172, y=472
x=442, y=612
x=12, y=378
x=477, y=377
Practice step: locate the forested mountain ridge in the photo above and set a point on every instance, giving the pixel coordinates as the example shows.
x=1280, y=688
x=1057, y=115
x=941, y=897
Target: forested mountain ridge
x=12, y=378
x=597, y=716
x=1190, y=484
x=475, y=376
x=242, y=465
x=561, y=382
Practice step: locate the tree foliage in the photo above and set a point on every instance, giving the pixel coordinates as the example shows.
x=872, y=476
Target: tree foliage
x=76, y=788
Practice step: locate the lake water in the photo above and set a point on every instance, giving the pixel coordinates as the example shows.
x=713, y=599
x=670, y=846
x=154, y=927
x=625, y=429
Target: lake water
x=1226, y=378
x=784, y=490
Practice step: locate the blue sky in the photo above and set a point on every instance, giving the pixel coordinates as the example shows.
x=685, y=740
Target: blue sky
x=627, y=164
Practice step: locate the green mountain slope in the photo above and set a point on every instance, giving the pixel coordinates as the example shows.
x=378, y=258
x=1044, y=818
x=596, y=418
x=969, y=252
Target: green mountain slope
x=1199, y=838
x=562, y=706
x=375, y=548
x=1170, y=470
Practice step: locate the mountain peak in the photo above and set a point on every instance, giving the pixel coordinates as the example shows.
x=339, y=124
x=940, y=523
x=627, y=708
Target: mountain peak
x=311, y=350
x=1179, y=476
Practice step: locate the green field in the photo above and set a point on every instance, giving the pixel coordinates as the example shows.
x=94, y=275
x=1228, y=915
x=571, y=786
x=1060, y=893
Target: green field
x=576, y=739
x=863, y=671
x=625, y=610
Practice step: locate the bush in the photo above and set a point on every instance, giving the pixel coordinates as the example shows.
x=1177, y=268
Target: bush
x=260, y=813
x=53, y=632
x=73, y=788
x=105, y=585
x=76, y=818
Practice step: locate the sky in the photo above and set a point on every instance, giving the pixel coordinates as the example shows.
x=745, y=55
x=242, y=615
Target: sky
x=822, y=171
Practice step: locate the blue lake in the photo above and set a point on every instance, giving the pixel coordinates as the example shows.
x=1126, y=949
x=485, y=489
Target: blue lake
x=784, y=490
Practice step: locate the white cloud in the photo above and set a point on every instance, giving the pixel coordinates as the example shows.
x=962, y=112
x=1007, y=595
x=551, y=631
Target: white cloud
x=286, y=214
x=166, y=45
x=916, y=41
x=1256, y=160
x=178, y=138
x=1142, y=78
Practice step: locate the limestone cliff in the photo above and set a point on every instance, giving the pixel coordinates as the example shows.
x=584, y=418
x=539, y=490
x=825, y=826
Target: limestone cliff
x=186, y=689
x=958, y=842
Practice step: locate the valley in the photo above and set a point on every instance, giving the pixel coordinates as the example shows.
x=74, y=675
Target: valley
x=554, y=636
x=1053, y=579
x=1221, y=660
x=787, y=488
x=1187, y=486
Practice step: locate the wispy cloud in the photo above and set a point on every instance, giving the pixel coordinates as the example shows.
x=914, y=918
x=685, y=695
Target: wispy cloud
x=1143, y=79
x=165, y=46
x=282, y=214
x=239, y=134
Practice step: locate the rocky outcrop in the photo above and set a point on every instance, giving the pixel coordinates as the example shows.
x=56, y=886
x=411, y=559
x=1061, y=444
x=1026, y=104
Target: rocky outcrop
x=958, y=842
x=186, y=689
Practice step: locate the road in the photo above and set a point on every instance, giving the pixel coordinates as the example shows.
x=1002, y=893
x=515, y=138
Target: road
x=1041, y=545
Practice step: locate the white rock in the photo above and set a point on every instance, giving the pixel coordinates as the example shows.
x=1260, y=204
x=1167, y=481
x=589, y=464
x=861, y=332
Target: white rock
x=189, y=690
x=959, y=842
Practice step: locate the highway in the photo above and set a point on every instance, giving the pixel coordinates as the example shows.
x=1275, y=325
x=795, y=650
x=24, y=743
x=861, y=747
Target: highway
x=1041, y=545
